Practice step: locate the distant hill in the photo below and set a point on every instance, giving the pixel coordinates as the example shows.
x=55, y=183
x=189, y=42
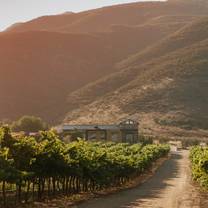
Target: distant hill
x=39, y=68
x=129, y=68
x=142, y=60
x=101, y=20
x=166, y=86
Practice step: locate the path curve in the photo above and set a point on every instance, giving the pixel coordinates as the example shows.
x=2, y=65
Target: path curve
x=170, y=187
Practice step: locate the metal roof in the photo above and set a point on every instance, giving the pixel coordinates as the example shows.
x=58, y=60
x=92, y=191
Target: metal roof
x=128, y=122
x=90, y=127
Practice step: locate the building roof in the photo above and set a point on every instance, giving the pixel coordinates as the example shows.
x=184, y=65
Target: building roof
x=124, y=124
x=89, y=127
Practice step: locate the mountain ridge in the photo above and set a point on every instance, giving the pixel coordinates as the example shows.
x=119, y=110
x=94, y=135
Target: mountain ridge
x=144, y=60
x=101, y=19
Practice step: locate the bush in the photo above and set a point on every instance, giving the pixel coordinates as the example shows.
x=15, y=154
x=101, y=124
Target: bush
x=29, y=124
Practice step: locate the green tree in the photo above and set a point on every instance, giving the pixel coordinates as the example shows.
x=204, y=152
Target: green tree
x=29, y=124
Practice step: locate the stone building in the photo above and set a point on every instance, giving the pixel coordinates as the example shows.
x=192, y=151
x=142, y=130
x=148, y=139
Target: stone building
x=126, y=131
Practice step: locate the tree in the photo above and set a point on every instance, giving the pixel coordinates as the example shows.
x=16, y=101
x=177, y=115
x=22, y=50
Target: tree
x=29, y=124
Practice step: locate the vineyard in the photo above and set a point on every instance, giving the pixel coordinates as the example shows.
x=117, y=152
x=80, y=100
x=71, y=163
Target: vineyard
x=33, y=169
x=199, y=159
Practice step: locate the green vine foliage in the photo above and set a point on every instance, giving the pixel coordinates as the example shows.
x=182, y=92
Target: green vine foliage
x=36, y=168
x=199, y=159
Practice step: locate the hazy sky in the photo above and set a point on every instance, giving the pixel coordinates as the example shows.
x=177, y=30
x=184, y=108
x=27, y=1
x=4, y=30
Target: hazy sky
x=12, y=11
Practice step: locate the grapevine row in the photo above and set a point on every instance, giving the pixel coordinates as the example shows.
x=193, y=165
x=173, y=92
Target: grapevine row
x=36, y=168
x=199, y=160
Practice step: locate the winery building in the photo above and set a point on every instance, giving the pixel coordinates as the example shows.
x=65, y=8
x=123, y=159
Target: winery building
x=126, y=131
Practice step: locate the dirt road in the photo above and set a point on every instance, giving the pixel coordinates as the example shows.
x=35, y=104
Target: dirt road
x=170, y=187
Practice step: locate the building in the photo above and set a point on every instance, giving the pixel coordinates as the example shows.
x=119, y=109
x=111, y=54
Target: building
x=126, y=131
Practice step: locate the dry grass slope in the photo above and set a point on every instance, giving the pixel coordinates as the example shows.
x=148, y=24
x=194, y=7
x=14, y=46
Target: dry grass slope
x=168, y=91
x=125, y=60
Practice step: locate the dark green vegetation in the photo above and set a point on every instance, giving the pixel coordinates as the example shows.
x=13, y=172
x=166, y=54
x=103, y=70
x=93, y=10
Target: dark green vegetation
x=33, y=169
x=143, y=59
x=29, y=124
x=199, y=159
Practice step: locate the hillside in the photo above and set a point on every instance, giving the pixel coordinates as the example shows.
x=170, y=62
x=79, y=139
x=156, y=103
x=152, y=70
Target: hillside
x=129, y=68
x=38, y=69
x=168, y=88
x=107, y=60
x=61, y=63
x=53, y=64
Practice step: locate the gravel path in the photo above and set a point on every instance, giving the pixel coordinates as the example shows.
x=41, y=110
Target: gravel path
x=170, y=187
